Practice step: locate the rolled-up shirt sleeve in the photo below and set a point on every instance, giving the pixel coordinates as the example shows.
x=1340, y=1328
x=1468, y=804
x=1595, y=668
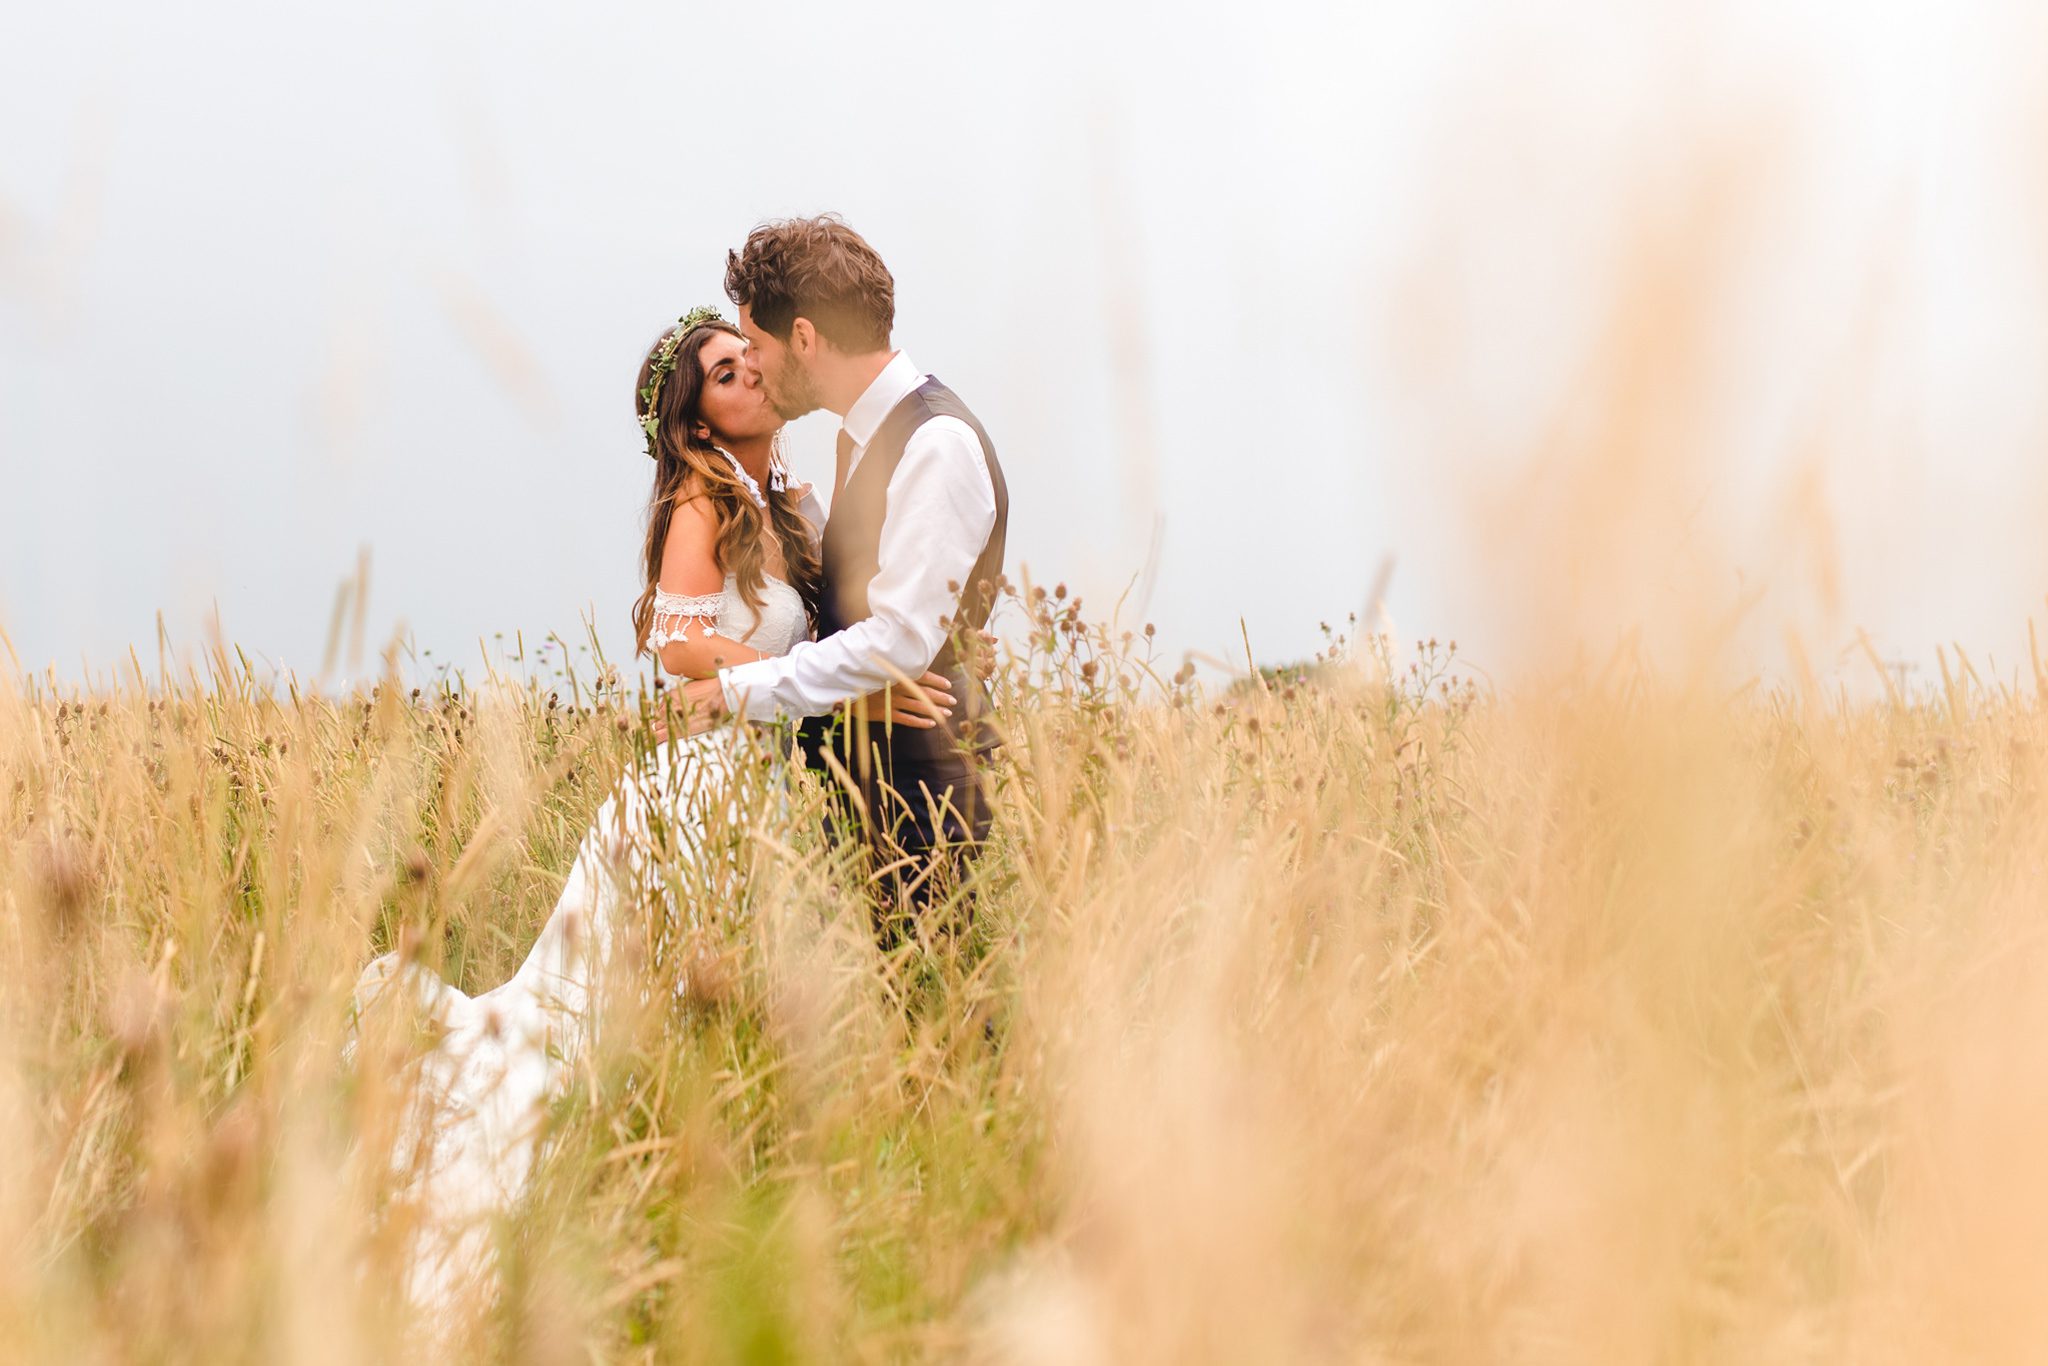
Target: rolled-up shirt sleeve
x=941, y=509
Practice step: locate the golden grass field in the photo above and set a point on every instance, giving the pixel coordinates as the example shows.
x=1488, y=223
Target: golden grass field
x=1350, y=1014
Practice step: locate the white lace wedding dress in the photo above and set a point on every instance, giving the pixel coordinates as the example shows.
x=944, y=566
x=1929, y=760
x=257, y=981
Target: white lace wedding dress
x=503, y=1057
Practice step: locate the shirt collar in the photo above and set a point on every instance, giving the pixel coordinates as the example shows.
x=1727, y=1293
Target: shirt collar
x=898, y=378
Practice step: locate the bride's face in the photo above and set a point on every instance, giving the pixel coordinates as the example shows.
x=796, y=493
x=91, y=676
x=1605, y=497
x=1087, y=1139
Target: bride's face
x=732, y=403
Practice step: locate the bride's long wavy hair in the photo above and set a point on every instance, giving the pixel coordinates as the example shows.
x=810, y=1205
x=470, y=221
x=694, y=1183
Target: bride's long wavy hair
x=686, y=468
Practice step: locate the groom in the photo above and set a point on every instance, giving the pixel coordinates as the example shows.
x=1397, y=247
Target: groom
x=912, y=549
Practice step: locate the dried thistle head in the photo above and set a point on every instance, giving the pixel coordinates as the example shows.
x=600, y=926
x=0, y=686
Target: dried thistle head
x=709, y=979
x=63, y=880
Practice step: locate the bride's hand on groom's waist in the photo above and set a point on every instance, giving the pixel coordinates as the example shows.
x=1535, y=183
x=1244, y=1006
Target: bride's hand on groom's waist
x=921, y=705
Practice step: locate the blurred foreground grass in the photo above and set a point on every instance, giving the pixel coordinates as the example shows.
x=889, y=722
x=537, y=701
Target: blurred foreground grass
x=1342, y=1015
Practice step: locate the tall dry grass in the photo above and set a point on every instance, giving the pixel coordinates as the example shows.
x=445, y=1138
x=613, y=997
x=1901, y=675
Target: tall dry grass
x=1343, y=1014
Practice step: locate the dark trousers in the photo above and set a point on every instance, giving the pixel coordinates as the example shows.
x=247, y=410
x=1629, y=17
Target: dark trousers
x=921, y=810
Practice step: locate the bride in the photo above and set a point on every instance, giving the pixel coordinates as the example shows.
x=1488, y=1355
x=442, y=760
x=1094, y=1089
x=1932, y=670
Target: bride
x=732, y=575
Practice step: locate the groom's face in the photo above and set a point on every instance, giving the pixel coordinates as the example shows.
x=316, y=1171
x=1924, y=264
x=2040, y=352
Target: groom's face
x=784, y=376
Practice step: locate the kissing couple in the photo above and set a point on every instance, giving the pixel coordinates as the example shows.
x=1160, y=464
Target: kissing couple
x=855, y=626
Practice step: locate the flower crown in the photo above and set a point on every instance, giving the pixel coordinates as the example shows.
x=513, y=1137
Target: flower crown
x=664, y=366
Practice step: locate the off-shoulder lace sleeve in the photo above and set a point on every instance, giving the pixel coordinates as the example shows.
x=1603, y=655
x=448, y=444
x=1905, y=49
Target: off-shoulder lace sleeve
x=676, y=613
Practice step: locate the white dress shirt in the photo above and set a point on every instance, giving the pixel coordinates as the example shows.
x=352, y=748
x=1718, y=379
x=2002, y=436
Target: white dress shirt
x=941, y=509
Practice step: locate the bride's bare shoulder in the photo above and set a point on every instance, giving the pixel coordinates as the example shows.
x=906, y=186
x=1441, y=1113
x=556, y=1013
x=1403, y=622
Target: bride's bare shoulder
x=689, y=552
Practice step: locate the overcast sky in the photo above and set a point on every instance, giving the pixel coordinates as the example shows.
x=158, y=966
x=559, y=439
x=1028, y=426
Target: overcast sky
x=1583, y=314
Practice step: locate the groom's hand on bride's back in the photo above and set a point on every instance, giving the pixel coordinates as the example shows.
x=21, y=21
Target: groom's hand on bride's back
x=692, y=709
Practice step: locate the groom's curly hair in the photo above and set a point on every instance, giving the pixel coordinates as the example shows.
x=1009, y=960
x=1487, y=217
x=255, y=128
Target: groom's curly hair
x=816, y=268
